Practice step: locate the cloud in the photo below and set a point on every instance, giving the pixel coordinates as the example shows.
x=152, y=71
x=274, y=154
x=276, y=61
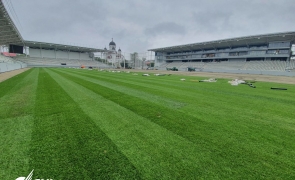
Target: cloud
x=210, y=21
x=138, y=25
x=165, y=28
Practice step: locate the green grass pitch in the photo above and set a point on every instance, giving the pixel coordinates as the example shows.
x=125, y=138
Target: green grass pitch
x=81, y=124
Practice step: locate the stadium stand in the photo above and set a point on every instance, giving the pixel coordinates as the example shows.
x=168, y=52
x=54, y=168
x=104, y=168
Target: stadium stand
x=292, y=64
x=40, y=53
x=258, y=54
x=51, y=62
x=4, y=59
x=197, y=65
x=164, y=65
x=8, y=35
x=9, y=64
x=235, y=65
x=174, y=64
x=265, y=65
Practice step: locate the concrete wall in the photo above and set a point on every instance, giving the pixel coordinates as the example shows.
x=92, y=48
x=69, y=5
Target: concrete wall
x=4, y=67
x=74, y=55
x=85, y=56
x=62, y=55
x=48, y=53
x=35, y=53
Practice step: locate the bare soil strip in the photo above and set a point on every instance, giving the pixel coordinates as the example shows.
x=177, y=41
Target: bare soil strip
x=7, y=75
x=252, y=77
x=256, y=77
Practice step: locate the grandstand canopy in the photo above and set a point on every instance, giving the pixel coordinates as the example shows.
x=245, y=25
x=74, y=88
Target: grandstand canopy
x=232, y=42
x=63, y=47
x=9, y=33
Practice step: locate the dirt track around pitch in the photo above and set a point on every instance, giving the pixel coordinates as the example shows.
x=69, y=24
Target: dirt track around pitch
x=7, y=75
x=252, y=77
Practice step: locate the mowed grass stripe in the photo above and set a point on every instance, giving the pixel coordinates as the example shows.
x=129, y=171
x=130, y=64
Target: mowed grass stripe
x=203, y=106
x=227, y=150
x=66, y=144
x=267, y=110
x=155, y=151
x=131, y=91
x=16, y=121
x=250, y=114
x=13, y=83
x=200, y=104
x=174, y=83
x=19, y=100
x=226, y=94
x=223, y=87
x=15, y=140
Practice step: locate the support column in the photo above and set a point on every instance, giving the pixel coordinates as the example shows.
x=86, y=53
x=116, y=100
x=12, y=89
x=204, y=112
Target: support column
x=26, y=51
x=55, y=51
x=41, y=51
x=124, y=60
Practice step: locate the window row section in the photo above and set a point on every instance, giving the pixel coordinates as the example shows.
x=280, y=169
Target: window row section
x=241, y=53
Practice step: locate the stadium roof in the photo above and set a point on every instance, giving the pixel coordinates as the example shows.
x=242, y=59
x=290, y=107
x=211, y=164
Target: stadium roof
x=232, y=42
x=9, y=33
x=52, y=46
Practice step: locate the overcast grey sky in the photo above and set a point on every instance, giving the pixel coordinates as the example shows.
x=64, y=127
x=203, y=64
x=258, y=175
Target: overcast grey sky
x=138, y=25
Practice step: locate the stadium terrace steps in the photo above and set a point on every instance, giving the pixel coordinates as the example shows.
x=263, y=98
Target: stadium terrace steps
x=164, y=65
x=10, y=64
x=174, y=64
x=91, y=63
x=198, y=65
x=225, y=65
x=292, y=64
x=32, y=61
x=265, y=65
x=257, y=65
x=4, y=59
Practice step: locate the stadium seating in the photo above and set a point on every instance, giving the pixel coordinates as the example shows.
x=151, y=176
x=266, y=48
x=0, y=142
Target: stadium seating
x=9, y=64
x=225, y=65
x=257, y=65
x=32, y=61
x=91, y=63
x=174, y=64
x=163, y=65
x=4, y=59
x=265, y=65
x=198, y=65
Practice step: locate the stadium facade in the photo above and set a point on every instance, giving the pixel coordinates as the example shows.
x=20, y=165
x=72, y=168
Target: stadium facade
x=271, y=51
